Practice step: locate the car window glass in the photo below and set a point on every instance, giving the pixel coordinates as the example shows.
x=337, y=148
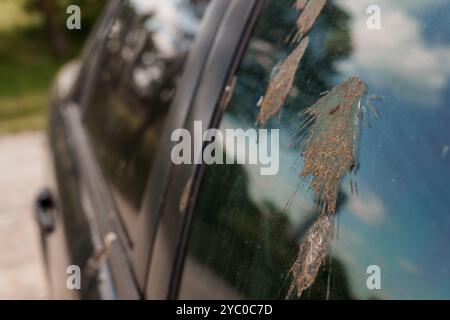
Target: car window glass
x=145, y=51
x=374, y=75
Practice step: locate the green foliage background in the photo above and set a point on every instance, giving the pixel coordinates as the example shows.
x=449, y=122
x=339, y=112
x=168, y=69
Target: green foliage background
x=27, y=65
x=90, y=11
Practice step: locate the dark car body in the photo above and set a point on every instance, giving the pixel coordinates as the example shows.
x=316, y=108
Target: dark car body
x=120, y=210
x=83, y=207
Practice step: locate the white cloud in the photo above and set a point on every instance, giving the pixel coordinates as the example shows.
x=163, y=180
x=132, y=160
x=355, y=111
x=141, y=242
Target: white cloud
x=407, y=265
x=397, y=56
x=368, y=209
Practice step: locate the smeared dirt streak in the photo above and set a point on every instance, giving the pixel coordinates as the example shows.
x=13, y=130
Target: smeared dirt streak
x=300, y=4
x=312, y=252
x=309, y=16
x=330, y=149
x=329, y=153
x=280, y=84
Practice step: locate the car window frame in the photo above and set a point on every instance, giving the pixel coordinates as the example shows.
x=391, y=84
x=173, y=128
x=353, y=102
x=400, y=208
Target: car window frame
x=156, y=193
x=164, y=270
x=138, y=243
x=92, y=53
x=90, y=183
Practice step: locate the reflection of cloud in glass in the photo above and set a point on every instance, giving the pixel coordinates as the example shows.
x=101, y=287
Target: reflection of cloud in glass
x=278, y=188
x=350, y=236
x=164, y=9
x=407, y=266
x=354, y=267
x=367, y=207
x=397, y=55
x=169, y=23
x=351, y=249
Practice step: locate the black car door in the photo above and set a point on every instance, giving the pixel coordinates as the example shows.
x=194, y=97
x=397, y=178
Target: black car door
x=112, y=126
x=237, y=19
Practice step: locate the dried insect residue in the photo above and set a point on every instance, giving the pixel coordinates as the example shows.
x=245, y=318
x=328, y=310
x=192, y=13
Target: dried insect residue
x=280, y=84
x=309, y=16
x=329, y=153
x=282, y=81
x=330, y=149
x=312, y=252
x=300, y=4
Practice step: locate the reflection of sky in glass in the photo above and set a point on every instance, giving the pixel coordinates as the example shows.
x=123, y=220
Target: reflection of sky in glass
x=404, y=160
x=400, y=217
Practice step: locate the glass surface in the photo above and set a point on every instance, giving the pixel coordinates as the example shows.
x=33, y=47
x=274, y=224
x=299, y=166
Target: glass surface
x=145, y=52
x=393, y=213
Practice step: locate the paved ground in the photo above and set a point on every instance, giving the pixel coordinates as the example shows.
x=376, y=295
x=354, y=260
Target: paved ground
x=22, y=174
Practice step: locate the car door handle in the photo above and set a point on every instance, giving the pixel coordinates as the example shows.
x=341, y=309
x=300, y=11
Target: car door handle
x=45, y=211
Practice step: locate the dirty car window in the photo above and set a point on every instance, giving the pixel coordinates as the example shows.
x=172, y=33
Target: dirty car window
x=362, y=108
x=145, y=52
